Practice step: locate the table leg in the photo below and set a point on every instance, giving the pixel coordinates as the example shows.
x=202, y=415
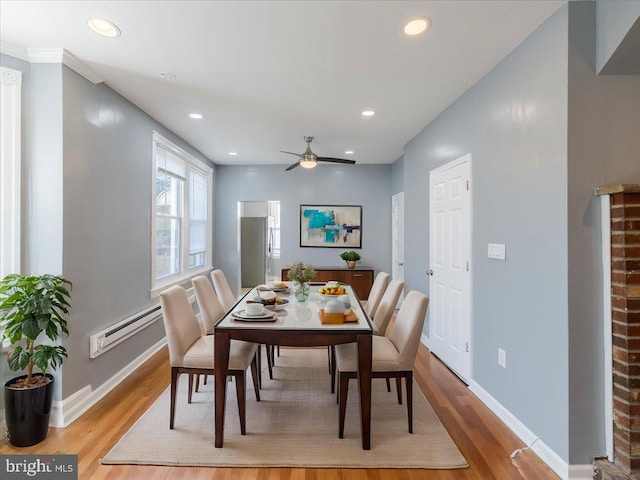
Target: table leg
x=364, y=385
x=221, y=366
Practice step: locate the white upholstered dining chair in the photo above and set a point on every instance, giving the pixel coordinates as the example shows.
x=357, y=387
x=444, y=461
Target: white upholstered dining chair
x=223, y=290
x=392, y=356
x=380, y=322
x=211, y=310
x=375, y=295
x=193, y=353
x=386, y=307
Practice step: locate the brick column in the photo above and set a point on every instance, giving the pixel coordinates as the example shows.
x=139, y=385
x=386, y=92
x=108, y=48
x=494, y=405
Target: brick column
x=625, y=312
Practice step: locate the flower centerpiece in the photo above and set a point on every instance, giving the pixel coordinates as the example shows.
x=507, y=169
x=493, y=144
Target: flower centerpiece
x=351, y=257
x=301, y=275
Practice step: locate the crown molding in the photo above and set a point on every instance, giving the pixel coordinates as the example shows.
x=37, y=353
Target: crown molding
x=81, y=68
x=60, y=55
x=45, y=55
x=14, y=51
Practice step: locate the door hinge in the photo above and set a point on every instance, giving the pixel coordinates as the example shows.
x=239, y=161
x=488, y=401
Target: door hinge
x=467, y=347
x=467, y=265
x=467, y=185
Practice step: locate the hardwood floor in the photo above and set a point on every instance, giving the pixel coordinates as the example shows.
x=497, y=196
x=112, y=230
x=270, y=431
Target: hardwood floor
x=481, y=437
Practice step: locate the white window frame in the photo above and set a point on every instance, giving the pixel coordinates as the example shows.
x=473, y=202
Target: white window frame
x=10, y=164
x=185, y=273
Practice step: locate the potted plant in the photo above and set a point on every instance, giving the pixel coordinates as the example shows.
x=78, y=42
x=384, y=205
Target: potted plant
x=351, y=257
x=301, y=275
x=29, y=307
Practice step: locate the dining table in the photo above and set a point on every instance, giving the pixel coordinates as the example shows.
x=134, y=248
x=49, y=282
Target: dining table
x=294, y=324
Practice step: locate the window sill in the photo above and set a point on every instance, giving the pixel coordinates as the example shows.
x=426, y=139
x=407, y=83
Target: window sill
x=156, y=291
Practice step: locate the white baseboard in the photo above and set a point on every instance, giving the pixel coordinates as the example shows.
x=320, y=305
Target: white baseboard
x=425, y=340
x=546, y=453
x=66, y=411
x=581, y=472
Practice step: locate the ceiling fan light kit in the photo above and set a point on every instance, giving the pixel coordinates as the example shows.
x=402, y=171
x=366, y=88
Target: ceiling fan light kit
x=308, y=163
x=308, y=159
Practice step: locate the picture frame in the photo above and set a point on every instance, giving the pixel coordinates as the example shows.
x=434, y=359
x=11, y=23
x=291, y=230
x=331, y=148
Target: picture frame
x=331, y=226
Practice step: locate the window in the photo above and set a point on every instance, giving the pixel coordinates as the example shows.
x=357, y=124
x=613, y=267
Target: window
x=182, y=227
x=10, y=112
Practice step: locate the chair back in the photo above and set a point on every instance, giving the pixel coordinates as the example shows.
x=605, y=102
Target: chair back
x=387, y=306
x=377, y=290
x=225, y=295
x=210, y=307
x=180, y=323
x=407, y=329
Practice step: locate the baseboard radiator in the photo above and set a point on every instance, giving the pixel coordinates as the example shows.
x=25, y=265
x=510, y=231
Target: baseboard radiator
x=117, y=333
x=114, y=335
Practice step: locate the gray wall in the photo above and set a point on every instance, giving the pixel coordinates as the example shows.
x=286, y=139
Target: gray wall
x=43, y=235
x=397, y=176
x=107, y=207
x=604, y=148
x=86, y=209
x=514, y=124
x=366, y=185
x=614, y=19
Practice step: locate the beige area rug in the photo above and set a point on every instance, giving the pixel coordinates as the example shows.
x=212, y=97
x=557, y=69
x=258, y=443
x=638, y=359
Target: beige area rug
x=295, y=425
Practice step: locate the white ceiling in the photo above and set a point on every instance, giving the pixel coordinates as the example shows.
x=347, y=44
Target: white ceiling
x=266, y=73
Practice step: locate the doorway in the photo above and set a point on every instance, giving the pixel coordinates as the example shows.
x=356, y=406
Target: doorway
x=258, y=242
x=450, y=265
x=397, y=240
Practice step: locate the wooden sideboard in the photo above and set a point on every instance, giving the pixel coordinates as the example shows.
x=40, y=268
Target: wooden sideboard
x=360, y=278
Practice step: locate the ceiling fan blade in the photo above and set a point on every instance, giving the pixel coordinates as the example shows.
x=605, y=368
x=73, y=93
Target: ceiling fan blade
x=291, y=153
x=291, y=167
x=336, y=160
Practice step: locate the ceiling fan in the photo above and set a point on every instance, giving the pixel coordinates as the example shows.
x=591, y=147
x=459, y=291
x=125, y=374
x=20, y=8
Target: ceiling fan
x=308, y=159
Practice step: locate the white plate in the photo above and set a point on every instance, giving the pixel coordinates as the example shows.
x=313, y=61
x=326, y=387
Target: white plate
x=242, y=314
x=272, y=318
x=280, y=290
x=278, y=306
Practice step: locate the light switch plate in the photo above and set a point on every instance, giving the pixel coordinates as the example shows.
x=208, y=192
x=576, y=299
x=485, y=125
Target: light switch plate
x=497, y=251
x=502, y=358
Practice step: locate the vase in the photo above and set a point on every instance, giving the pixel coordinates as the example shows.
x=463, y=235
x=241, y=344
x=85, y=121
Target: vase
x=301, y=291
x=351, y=263
x=27, y=411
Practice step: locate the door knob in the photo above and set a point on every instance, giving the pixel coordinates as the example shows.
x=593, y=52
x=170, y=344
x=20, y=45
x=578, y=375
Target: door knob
x=430, y=272
x=401, y=264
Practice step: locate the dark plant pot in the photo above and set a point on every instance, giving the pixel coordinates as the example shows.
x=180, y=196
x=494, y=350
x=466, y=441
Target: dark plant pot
x=351, y=263
x=27, y=411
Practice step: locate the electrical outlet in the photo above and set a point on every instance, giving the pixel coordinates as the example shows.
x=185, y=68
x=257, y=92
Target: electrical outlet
x=497, y=251
x=502, y=358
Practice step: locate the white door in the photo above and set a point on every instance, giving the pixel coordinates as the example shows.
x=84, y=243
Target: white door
x=450, y=264
x=397, y=239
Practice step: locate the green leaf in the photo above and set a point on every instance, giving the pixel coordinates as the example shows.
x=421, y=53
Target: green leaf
x=45, y=354
x=18, y=359
x=30, y=328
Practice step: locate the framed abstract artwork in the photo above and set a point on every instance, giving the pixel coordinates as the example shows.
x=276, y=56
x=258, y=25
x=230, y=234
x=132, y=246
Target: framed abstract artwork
x=337, y=226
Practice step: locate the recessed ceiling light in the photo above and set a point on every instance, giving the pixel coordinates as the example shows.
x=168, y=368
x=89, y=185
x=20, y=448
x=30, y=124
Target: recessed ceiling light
x=348, y=152
x=417, y=26
x=167, y=76
x=368, y=113
x=233, y=154
x=197, y=116
x=103, y=27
